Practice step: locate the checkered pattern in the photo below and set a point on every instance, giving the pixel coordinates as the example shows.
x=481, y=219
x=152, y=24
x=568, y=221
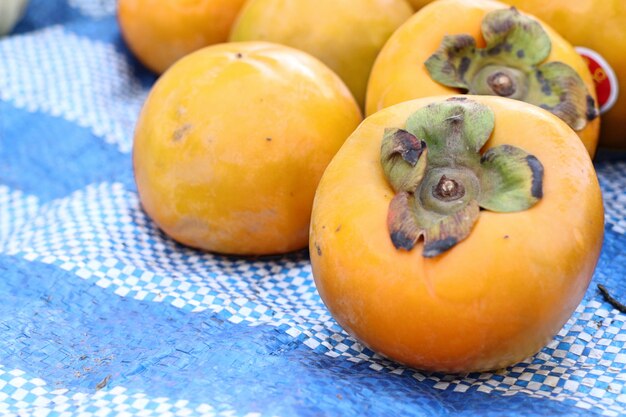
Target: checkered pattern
x=100, y=234
x=96, y=237
x=99, y=91
x=94, y=8
x=612, y=181
x=24, y=395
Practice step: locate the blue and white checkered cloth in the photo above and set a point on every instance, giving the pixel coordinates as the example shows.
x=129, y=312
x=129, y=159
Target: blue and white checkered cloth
x=101, y=314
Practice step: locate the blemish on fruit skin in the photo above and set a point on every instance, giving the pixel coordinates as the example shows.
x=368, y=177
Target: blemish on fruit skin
x=238, y=55
x=318, y=249
x=338, y=229
x=268, y=139
x=181, y=132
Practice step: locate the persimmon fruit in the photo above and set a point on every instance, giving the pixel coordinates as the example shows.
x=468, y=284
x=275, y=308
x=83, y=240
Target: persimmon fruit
x=492, y=49
x=407, y=262
x=596, y=24
x=231, y=143
x=159, y=32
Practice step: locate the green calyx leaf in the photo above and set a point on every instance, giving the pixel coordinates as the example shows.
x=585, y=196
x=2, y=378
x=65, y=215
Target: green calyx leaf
x=510, y=66
x=439, y=192
x=510, y=179
x=401, y=157
x=559, y=89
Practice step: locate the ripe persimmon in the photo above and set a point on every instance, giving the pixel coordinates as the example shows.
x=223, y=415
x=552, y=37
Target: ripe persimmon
x=601, y=26
x=492, y=49
x=457, y=234
x=231, y=143
x=159, y=32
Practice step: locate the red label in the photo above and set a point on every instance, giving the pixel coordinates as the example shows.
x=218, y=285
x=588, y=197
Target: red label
x=604, y=78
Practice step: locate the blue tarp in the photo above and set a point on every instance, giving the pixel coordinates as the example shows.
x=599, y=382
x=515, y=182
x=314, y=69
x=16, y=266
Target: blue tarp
x=102, y=314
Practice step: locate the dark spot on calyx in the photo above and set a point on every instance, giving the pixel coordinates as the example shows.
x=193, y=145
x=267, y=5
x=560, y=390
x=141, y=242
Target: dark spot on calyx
x=496, y=50
x=457, y=99
x=503, y=25
x=545, y=84
x=536, y=169
x=464, y=66
x=460, y=43
x=401, y=240
x=437, y=247
x=592, y=111
x=520, y=53
x=408, y=146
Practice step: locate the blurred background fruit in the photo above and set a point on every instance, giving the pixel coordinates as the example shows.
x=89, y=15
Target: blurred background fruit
x=10, y=13
x=596, y=24
x=159, y=32
x=346, y=35
x=232, y=141
x=400, y=73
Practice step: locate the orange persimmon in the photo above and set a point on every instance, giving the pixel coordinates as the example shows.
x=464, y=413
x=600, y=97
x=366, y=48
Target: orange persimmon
x=435, y=52
x=231, y=143
x=483, y=289
x=160, y=32
x=596, y=24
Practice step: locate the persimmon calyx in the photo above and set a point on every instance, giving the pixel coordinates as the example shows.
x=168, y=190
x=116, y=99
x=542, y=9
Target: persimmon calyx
x=510, y=65
x=441, y=179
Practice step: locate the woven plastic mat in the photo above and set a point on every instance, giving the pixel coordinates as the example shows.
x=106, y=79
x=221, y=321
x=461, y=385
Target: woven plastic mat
x=101, y=314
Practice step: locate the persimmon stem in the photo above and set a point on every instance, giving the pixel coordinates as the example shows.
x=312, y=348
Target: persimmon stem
x=448, y=189
x=502, y=84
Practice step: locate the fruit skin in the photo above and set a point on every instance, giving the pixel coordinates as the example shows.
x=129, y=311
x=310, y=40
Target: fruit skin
x=399, y=74
x=346, y=35
x=418, y=4
x=160, y=32
x=231, y=143
x=493, y=299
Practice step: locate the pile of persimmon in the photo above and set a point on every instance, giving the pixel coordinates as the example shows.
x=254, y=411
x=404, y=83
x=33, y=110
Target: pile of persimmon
x=455, y=229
